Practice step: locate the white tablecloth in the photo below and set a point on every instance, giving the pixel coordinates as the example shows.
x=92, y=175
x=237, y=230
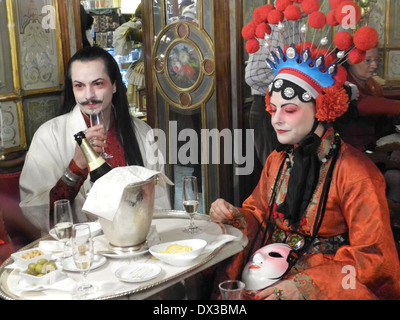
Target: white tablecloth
x=109, y=286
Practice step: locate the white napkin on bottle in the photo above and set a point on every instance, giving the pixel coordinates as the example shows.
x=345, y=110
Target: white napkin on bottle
x=105, y=195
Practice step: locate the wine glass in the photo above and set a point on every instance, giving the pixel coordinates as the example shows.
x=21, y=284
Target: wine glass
x=63, y=222
x=190, y=201
x=83, y=255
x=97, y=118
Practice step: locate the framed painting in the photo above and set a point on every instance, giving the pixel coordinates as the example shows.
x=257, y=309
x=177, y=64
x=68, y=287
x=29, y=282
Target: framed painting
x=183, y=65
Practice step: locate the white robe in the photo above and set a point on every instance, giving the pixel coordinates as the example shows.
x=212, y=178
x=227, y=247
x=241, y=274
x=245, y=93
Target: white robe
x=51, y=151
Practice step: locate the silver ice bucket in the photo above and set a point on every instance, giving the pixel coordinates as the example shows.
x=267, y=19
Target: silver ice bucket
x=133, y=218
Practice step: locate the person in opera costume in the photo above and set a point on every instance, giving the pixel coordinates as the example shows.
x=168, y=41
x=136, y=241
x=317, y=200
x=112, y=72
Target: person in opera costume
x=320, y=196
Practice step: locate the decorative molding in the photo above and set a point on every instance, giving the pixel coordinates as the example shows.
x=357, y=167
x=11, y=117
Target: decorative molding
x=39, y=110
x=394, y=65
x=38, y=47
x=10, y=126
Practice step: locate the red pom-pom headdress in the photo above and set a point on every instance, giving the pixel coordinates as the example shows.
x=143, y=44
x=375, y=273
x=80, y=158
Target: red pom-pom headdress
x=316, y=68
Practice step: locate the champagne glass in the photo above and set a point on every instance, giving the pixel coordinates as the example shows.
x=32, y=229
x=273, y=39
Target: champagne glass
x=97, y=118
x=63, y=222
x=83, y=255
x=190, y=202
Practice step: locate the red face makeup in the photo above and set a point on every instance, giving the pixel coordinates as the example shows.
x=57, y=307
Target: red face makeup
x=291, y=119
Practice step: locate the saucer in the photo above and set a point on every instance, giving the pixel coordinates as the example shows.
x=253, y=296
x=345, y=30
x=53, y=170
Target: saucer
x=138, y=272
x=69, y=265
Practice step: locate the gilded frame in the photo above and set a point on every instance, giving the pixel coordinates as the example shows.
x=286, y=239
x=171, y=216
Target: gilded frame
x=174, y=38
x=38, y=38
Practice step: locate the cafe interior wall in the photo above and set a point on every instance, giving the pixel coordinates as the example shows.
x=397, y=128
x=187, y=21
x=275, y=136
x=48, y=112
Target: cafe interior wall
x=37, y=39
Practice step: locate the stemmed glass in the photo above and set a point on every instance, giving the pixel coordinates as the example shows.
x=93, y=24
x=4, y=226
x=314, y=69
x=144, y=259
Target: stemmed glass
x=97, y=118
x=63, y=222
x=190, y=201
x=83, y=255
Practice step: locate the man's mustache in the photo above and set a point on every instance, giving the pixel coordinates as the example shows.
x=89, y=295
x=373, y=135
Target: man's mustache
x=85, y=103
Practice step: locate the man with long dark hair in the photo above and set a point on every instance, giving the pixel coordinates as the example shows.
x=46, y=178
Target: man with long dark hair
x=55, y=166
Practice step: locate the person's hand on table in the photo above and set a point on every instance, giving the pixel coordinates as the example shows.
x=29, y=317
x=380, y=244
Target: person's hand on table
x=282, y=290
x=222, y=211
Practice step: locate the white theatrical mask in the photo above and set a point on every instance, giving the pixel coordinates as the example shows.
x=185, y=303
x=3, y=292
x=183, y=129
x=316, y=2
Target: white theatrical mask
x=267, y=266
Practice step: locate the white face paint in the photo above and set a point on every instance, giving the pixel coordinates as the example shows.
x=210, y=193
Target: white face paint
x=291, y=119
x=91, y=85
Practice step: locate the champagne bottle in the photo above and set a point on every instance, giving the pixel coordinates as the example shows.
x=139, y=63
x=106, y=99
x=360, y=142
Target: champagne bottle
x=97, y=165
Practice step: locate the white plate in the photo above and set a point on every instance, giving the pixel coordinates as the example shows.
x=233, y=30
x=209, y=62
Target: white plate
x=95, y=228
x=69, y=264
x=125, y=255
x=138, y=272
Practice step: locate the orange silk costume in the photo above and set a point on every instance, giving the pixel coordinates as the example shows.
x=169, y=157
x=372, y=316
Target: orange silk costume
x=356, y=205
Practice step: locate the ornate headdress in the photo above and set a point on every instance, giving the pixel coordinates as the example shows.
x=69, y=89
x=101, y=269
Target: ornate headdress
x=315, y=68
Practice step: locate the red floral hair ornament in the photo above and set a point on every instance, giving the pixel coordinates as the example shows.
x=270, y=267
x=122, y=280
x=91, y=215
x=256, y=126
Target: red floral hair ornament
x=332, y=103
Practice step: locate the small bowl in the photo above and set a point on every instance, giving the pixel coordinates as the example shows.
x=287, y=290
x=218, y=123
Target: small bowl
x=47, y=279
x=23, y=262
x=179, y=259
